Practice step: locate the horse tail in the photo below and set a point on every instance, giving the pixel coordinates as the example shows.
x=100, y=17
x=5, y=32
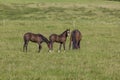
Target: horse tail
x=74, y=39
x=74, y=43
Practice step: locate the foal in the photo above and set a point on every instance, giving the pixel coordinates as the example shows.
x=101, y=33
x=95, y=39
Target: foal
x=75, y=39
x=36, y=38
x=59, y=39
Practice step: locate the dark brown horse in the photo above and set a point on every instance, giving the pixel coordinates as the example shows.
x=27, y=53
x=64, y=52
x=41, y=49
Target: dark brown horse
x=75, y=39
x=59, y=39
x=37, y=38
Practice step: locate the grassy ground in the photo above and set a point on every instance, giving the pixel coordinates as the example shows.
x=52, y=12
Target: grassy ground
x=98, y=59
x=37, y=1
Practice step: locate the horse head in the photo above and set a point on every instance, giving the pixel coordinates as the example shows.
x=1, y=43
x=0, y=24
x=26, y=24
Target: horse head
x=67, y=32
x=49, y=45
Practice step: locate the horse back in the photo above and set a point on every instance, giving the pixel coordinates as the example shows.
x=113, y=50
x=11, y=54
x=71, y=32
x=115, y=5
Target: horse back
x=57, y=38
x=32, y=37
x=53, y=37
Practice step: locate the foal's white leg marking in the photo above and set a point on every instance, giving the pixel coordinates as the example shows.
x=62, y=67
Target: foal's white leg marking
x=58, y=51
x=50, y=51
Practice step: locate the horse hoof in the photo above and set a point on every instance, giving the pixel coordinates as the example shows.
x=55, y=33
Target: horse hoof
x=49, y=51
x=58, y=51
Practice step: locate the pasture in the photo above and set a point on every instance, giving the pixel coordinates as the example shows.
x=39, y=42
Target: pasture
x=98, y=58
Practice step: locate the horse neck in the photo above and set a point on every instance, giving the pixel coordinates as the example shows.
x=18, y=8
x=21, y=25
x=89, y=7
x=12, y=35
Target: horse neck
x=45, y=39
x=64, y=34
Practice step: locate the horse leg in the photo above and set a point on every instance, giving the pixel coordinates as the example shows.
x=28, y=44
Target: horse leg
x=60, y=47
x=25, y=45
x=39, y=48
x=51, y=47
x=74, y=45
x=64, y=46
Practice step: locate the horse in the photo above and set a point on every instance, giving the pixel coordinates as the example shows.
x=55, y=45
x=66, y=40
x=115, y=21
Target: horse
x=75, y=39
x=61, y=39
x=36, y=38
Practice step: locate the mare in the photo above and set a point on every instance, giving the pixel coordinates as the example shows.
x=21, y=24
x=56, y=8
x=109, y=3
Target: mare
x=61, y=39
x=75, y=39
x=36, y=38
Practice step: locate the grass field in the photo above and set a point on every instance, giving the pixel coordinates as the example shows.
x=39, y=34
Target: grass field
x=37, y=1
x=98, y=58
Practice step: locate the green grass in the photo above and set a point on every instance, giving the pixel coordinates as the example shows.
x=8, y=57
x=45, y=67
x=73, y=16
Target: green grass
x=98, y=58
x=37, y=1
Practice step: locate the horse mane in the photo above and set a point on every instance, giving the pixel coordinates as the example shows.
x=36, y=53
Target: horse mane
x=63, y=33
x=73, y=38
x=44, y=38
